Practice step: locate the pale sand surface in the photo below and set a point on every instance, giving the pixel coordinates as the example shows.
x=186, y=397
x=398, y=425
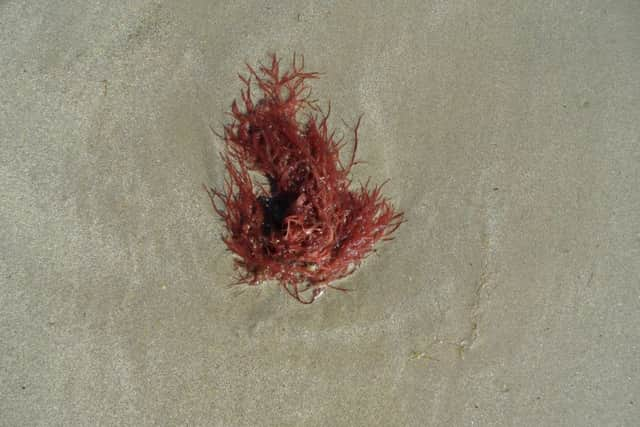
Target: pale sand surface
x=511, y=135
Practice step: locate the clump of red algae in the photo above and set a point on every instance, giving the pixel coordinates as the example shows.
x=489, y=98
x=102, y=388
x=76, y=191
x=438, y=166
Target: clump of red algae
x=304, y=227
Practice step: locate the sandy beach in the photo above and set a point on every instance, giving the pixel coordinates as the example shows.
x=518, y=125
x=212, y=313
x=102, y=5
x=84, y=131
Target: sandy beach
x=510, y=136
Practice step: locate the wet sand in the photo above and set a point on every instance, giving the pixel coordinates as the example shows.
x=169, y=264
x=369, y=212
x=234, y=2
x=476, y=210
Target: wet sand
x=510, y=135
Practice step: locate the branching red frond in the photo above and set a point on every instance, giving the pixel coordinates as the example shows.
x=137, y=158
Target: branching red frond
x=308, y=228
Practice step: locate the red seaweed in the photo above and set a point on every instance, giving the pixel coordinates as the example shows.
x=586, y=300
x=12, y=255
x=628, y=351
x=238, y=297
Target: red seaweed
x=303, y=226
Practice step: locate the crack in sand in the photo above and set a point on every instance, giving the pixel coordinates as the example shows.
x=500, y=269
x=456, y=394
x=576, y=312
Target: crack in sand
x=472, y=335
x=486, y=275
